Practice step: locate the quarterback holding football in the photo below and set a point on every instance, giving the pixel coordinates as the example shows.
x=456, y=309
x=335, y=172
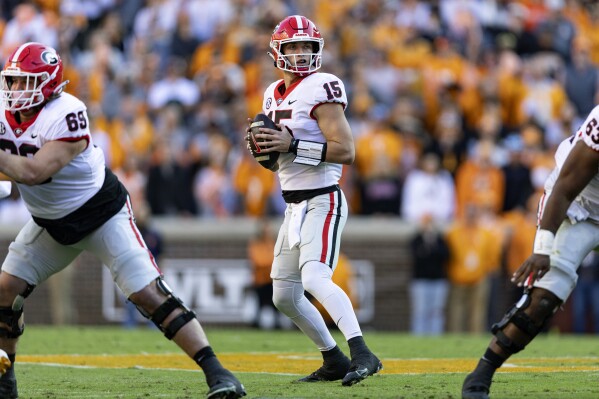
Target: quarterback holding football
x=314, y=141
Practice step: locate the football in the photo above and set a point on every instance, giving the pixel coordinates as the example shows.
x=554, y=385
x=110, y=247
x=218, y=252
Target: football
x=267, y=160
x=4, y=362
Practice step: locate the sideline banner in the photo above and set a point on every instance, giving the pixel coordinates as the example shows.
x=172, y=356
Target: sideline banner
x=220, y=290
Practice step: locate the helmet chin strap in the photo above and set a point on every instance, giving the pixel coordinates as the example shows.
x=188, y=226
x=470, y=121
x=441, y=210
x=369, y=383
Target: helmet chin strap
x=59, y=88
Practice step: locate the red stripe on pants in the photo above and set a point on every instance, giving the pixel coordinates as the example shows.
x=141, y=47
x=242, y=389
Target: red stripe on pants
x=325, y=230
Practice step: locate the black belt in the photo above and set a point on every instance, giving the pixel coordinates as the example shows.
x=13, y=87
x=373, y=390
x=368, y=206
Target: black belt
x=295, y=196
x=73, y=227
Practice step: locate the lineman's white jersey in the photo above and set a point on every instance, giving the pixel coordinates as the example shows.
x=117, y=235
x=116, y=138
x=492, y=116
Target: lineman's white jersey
x=586, y=203
x=65, y=119
x=294, y=108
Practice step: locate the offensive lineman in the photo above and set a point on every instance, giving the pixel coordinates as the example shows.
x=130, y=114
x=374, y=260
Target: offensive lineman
x=314, y=142
x=76, y=204
x=567, y=232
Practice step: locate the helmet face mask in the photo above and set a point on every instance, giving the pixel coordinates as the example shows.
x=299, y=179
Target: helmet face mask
x=29, y=93
x=32, y=75
x=293, y=29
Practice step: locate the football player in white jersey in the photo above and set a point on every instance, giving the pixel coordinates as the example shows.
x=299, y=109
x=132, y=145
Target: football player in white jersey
x=568, y=230
x=76, y=204
x=314, y=143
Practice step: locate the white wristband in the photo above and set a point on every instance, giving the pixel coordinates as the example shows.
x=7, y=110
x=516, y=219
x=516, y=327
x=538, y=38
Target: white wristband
x=543, y=242
x=308, y=152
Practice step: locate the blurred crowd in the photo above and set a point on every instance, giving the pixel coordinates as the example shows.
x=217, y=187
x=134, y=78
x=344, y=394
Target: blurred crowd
x=485, y=88
x=456, y=106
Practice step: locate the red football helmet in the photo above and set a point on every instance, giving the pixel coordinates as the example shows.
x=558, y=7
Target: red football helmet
x=39, y=68
x=296, y=28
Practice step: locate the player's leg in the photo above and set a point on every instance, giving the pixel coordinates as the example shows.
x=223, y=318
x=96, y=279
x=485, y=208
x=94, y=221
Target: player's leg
x=319, y=253
x=478, y=302
x=120, y=246
x=316, y=279
x=526, y=319
x=456, y=303
x=32, y=258
x=157, y=302
x=518, y=327
x=11, y=328
x=289, y=299
x=439, y=290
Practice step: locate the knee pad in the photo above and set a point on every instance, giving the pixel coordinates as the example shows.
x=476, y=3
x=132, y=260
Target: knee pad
x=164, y=310
x=529, y=315
x=12, y=316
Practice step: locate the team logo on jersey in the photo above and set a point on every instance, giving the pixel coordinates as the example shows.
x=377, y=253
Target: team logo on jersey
x=2, y=128
x=268, y=103
x=18, y=131
x=279, y=101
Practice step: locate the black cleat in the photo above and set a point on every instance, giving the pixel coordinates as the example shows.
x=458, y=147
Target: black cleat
x=225, y=386
x=8, y=385
x=329, y=372
x=362, y=366
x=475, y=387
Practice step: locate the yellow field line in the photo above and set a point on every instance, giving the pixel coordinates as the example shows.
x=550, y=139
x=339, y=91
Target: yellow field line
x=301, y=363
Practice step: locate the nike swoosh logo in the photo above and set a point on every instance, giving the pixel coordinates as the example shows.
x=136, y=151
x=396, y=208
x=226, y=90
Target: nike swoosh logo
x=291, y=102
x=362, y=372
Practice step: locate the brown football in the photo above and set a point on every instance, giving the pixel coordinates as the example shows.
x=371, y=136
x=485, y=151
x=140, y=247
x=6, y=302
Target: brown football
x=269, y=159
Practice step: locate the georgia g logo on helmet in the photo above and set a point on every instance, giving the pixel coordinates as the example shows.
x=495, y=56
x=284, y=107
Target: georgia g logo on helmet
x=50, y=57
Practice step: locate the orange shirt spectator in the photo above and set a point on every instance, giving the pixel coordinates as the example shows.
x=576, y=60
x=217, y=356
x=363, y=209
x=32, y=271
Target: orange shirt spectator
x=473, y=248
x=216, y=51
x=522, y=227
x=261, y=254
x=480, y=182
x=511, y=89
x=254, y=183
x=379, y=152
x=473, y=252
x=132, y=131
x=441, y=71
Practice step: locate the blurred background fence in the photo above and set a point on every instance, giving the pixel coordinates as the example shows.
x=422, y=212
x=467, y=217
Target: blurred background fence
x=206, y=263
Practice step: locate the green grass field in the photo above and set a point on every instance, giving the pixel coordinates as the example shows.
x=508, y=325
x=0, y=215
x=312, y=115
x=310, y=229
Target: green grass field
x=84, y=362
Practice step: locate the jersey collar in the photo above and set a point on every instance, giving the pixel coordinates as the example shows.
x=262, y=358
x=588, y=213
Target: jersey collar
x=18, y=128
x=281, y=92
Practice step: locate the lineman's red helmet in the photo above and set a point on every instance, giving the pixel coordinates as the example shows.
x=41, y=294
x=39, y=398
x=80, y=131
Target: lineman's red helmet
x=41, y=67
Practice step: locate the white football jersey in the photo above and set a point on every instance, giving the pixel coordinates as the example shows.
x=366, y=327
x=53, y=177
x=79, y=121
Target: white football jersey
x=588, y=198
x=294, y=108
x=63, y=118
